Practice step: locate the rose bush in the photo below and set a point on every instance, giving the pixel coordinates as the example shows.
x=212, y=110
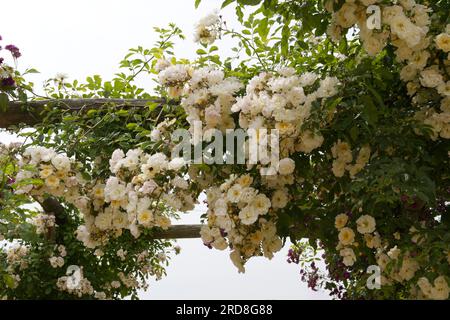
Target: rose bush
x=363, y=117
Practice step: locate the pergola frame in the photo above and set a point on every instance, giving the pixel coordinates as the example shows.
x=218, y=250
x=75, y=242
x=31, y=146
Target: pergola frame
x=33, y=112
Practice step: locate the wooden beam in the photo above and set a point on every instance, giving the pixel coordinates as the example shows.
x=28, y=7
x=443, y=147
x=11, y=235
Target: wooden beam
x=32, y=112
x=188, y=231
x=184, y=231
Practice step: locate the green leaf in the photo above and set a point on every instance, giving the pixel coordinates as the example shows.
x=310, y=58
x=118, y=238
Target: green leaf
x=197, y=3
x=3, y=102
x=226, y=2
x=376, y=95
x=132, y=126
x=152, y=105
x=354, y=133
x=31, y=70
x=370, y=112
x=285, y=33
x=9, y=281
x=263, y=29
x=249, y=2
x=122, y=113
x=200, y=51
x=239, y=14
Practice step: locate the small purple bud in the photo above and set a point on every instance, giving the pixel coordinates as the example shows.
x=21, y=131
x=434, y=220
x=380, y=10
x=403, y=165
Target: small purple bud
x=223, y=233
x=207, y=245
x=14, y=50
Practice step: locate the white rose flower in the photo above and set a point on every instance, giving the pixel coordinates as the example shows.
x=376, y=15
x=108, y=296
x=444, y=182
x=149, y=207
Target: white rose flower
x=248, y=215
x=234, y=193
x=440, y=291
x=286, y=166
x=103, y=221
x=261, y=204
x=443, y=42
x=61, y=162
x=54, y=262
x=340, y=221
x=431, y=78
x=220, y=244
x=346, y=236
x=145, y=217
x=365, y=224
x=52, y=182
x=279, y=199
x=348, y=256
x=220, y=207
x=176, y=164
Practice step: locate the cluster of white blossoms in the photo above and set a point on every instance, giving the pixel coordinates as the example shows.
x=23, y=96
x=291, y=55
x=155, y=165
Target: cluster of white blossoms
x=79, y=287
x=365, y=225
x=43, y=223
x=17, y=260
x=57, y=261
x=208, y=98
x=173, y=77
x=16, y=256
x=240, y=214
x=406, y=270
x=141, y=192
x=207, y=29
x=406, y=25
x=130, y=199
x=242, y=218
x=400, y=271
x=207, y=94
x=396, y=266
x=281, y=101
x=439, y=290
x=343, y=157
x=43, y=171
x=439, y=122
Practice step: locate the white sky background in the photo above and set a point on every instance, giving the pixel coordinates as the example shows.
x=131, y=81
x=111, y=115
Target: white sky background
x=86, y=37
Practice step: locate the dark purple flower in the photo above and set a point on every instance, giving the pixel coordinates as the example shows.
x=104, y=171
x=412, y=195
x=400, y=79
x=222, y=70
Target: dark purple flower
x=1, y=59
x=8, y=82
x=14, y=50
x=293, y=256
x=10, y=181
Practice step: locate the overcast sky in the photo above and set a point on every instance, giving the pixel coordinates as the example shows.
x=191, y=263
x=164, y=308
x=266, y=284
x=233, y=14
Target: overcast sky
x=86, y=37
